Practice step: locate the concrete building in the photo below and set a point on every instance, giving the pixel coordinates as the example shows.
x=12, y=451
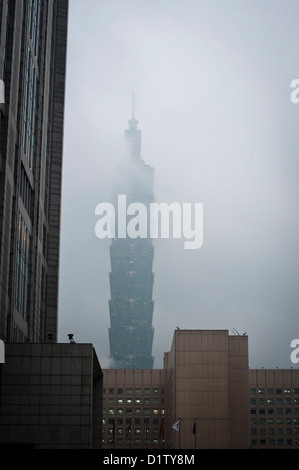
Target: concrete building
x=204, y=386
x=33, y=42
x=133, y=409
x=207, y=389
x=274, y=408
x=51, y=397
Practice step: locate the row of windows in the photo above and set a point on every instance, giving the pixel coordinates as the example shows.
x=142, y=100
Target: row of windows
x=136, y=391
x=29, y=110
x=278, y=411
x=34, y=23
x=136, y=442
x=271, y=391
x=263, y=421
x=137, y=401
x=127, y=421
x=25, y=191
x=271, y=401
x=275, y=442
x=275, y=431
x=137, y=411
x=137, y=431
x=22, y=268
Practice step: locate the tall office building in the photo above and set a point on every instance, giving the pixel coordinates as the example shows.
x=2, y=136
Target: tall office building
x=33, y=38
x=131, y=278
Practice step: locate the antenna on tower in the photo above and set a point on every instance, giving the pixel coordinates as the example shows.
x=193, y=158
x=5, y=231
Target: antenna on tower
x=133, y=105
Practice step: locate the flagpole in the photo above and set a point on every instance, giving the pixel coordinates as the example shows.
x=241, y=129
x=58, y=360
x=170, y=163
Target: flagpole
x=179, y=432
x=195, y=431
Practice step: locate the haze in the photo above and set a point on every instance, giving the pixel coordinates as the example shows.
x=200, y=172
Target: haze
x=212, y=91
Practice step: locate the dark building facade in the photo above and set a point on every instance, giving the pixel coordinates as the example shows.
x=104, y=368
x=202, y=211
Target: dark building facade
x=51, y=397
x=131, y=278
x=33, y=40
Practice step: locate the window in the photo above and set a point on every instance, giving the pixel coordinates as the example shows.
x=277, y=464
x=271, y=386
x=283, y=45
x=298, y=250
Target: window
x=22, y=268
x=252, y=391
x=287, y=390
x=120, y=391
x=261, y=401
x=261, y=391
x=278, y=391
x=252, y=401
x=270, y=391
x=278, y=401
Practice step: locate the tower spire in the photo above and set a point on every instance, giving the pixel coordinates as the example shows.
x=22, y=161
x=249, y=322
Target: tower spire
x=133, y=134
x=133, y=105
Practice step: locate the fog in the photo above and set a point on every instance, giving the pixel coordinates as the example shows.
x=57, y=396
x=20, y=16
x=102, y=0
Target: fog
x=212, y=89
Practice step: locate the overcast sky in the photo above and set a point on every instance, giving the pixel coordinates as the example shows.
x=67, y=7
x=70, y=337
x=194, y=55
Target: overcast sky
x=212, y=85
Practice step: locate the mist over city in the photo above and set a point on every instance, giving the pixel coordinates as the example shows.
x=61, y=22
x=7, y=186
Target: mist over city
x=212, y=86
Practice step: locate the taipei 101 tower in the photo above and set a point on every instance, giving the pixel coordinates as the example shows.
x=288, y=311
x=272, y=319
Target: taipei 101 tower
x=131, y=277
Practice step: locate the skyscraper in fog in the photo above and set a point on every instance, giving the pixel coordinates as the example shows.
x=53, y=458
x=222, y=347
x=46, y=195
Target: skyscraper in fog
x=131, y=278
x=33, y=39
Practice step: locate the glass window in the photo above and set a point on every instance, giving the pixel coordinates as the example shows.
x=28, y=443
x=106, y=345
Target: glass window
x=111, y=391
x=270, y=421
x=261, y=391
x=262, y=420
x=287, y=390
x=252, y=401
x=270, y=401
x=272, y=442
x=129, y=391
x=262, y=411
x=120, y=391
x=278, y=401
x=270, y=391
x=146, y=391
x=278, y=391
x=252, y=391
x=155, y=391
x=137, y=391
x=261, y=401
